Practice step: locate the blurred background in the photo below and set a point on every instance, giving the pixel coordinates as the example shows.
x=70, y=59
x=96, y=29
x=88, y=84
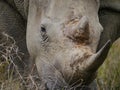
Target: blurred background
x=109, y=74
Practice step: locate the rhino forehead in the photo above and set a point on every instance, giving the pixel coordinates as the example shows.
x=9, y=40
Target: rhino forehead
x=60, y=8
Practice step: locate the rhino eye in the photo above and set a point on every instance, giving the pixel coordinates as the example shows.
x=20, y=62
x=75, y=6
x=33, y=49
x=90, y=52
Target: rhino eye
x=44, y=33
x=43, y=29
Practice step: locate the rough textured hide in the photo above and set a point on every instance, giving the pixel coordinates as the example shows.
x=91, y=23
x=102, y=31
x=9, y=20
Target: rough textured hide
x=21, y=6
x=59, y=54
x=110, y=4
x=109, y=15
x=13, y=24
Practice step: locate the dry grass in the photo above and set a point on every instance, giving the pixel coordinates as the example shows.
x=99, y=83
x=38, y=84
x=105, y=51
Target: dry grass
x=8, y=54
x=11, y=77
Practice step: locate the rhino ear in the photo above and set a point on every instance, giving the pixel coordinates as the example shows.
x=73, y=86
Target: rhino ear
x=97, y=59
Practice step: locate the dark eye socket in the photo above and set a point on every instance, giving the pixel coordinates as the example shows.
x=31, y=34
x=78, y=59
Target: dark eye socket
x=43, y=29
x=44, y=33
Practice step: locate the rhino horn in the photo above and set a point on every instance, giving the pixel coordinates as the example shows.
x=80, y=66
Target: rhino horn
x=98, y=58
x=82, y=23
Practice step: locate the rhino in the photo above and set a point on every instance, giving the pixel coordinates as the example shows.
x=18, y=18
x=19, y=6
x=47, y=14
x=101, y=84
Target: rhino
x=64, y=39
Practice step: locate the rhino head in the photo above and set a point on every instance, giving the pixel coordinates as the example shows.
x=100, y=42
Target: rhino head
x=62, y=38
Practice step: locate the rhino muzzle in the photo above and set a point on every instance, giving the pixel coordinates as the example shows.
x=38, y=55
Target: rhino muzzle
x=73, y=75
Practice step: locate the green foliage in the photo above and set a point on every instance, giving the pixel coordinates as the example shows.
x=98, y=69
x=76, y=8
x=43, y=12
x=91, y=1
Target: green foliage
x=109, y=73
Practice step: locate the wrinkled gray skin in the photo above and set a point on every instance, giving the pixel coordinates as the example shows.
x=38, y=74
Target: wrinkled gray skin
x=109, y=15
x=55, y=70
x=62, y=39
x=21, y=6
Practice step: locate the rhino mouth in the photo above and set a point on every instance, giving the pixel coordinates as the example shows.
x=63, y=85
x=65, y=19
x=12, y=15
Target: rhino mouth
x=71, y=78
x=66, y=71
